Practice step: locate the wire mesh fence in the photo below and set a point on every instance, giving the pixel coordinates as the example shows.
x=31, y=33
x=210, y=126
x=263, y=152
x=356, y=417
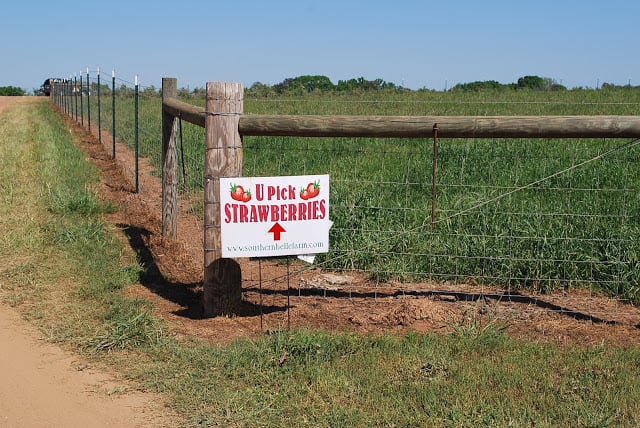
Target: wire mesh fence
x=523, y=222
x=540, y=215
x=533, y=214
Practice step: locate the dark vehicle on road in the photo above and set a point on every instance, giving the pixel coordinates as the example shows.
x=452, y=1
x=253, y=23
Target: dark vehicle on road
x=45, y=89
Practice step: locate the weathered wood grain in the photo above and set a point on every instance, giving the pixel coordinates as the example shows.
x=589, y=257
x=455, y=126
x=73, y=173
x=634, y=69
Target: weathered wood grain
x=169, y=163
x=222, y=287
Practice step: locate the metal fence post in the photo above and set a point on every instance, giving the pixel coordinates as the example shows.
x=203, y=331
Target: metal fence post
x=75, y=95
x=81, y=103
x=113, y=112
x=99, y=113
x=88, y=100
x=135, y=130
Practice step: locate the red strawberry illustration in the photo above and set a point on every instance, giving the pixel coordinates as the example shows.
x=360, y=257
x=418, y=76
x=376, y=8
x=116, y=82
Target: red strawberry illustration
x=237, y=192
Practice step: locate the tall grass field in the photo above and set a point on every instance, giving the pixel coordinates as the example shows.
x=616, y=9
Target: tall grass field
x=537, y=214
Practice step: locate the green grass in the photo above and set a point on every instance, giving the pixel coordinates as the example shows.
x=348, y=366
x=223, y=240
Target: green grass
x=67, y=270
x=55, y=226
x=474, y=377
x=579, y=228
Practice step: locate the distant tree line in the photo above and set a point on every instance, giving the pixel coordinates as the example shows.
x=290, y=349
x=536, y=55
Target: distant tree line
x=11, y=91
x=606, y=86
x=322, y=84
x=536, y=83
x=318, y=83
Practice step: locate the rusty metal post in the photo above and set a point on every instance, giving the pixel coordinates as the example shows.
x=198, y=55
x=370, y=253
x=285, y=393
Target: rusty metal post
x=434, y=174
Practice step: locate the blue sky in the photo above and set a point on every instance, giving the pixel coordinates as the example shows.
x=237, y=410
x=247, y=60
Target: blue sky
x=409, y=42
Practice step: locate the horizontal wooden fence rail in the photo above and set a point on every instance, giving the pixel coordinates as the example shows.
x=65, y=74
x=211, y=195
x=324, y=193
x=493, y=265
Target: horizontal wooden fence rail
x=185, y=111
x=448, y=126
x=422, y=126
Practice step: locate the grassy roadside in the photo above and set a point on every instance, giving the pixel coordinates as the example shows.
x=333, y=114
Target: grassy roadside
x=65, y=268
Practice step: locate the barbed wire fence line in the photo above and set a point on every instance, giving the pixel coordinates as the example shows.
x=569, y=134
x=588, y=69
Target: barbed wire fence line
x=518, y=214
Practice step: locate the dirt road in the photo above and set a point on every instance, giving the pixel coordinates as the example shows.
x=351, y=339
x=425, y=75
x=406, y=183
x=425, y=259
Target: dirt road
x=41, y=385
x=44, y=386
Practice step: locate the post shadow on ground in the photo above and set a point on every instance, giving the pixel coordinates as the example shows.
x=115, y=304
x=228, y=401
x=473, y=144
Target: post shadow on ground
x=186, y=295
x=189, y=295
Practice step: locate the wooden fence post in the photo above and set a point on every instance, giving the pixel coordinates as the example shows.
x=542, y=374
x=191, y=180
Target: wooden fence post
x=222, y=288
x=169, y=162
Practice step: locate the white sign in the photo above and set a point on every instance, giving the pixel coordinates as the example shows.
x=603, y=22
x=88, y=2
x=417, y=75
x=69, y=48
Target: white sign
x=274, y=216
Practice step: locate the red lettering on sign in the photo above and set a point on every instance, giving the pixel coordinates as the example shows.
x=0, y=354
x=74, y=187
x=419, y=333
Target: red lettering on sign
x=263, y=212
x=244, y=214
x=259, y=192
x=302, y=211
x=278, y=193
x=293, y=212
x=253, y=217
x=271, y=192
x=241, y=213
x=227, y=213
x=275, y=214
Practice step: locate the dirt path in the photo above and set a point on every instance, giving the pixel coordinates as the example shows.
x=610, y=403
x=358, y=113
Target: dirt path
x=44, y=386
x=41, y=385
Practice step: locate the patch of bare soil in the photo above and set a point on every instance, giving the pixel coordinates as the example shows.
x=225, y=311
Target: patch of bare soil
x=273, y=300
x=44, y=386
